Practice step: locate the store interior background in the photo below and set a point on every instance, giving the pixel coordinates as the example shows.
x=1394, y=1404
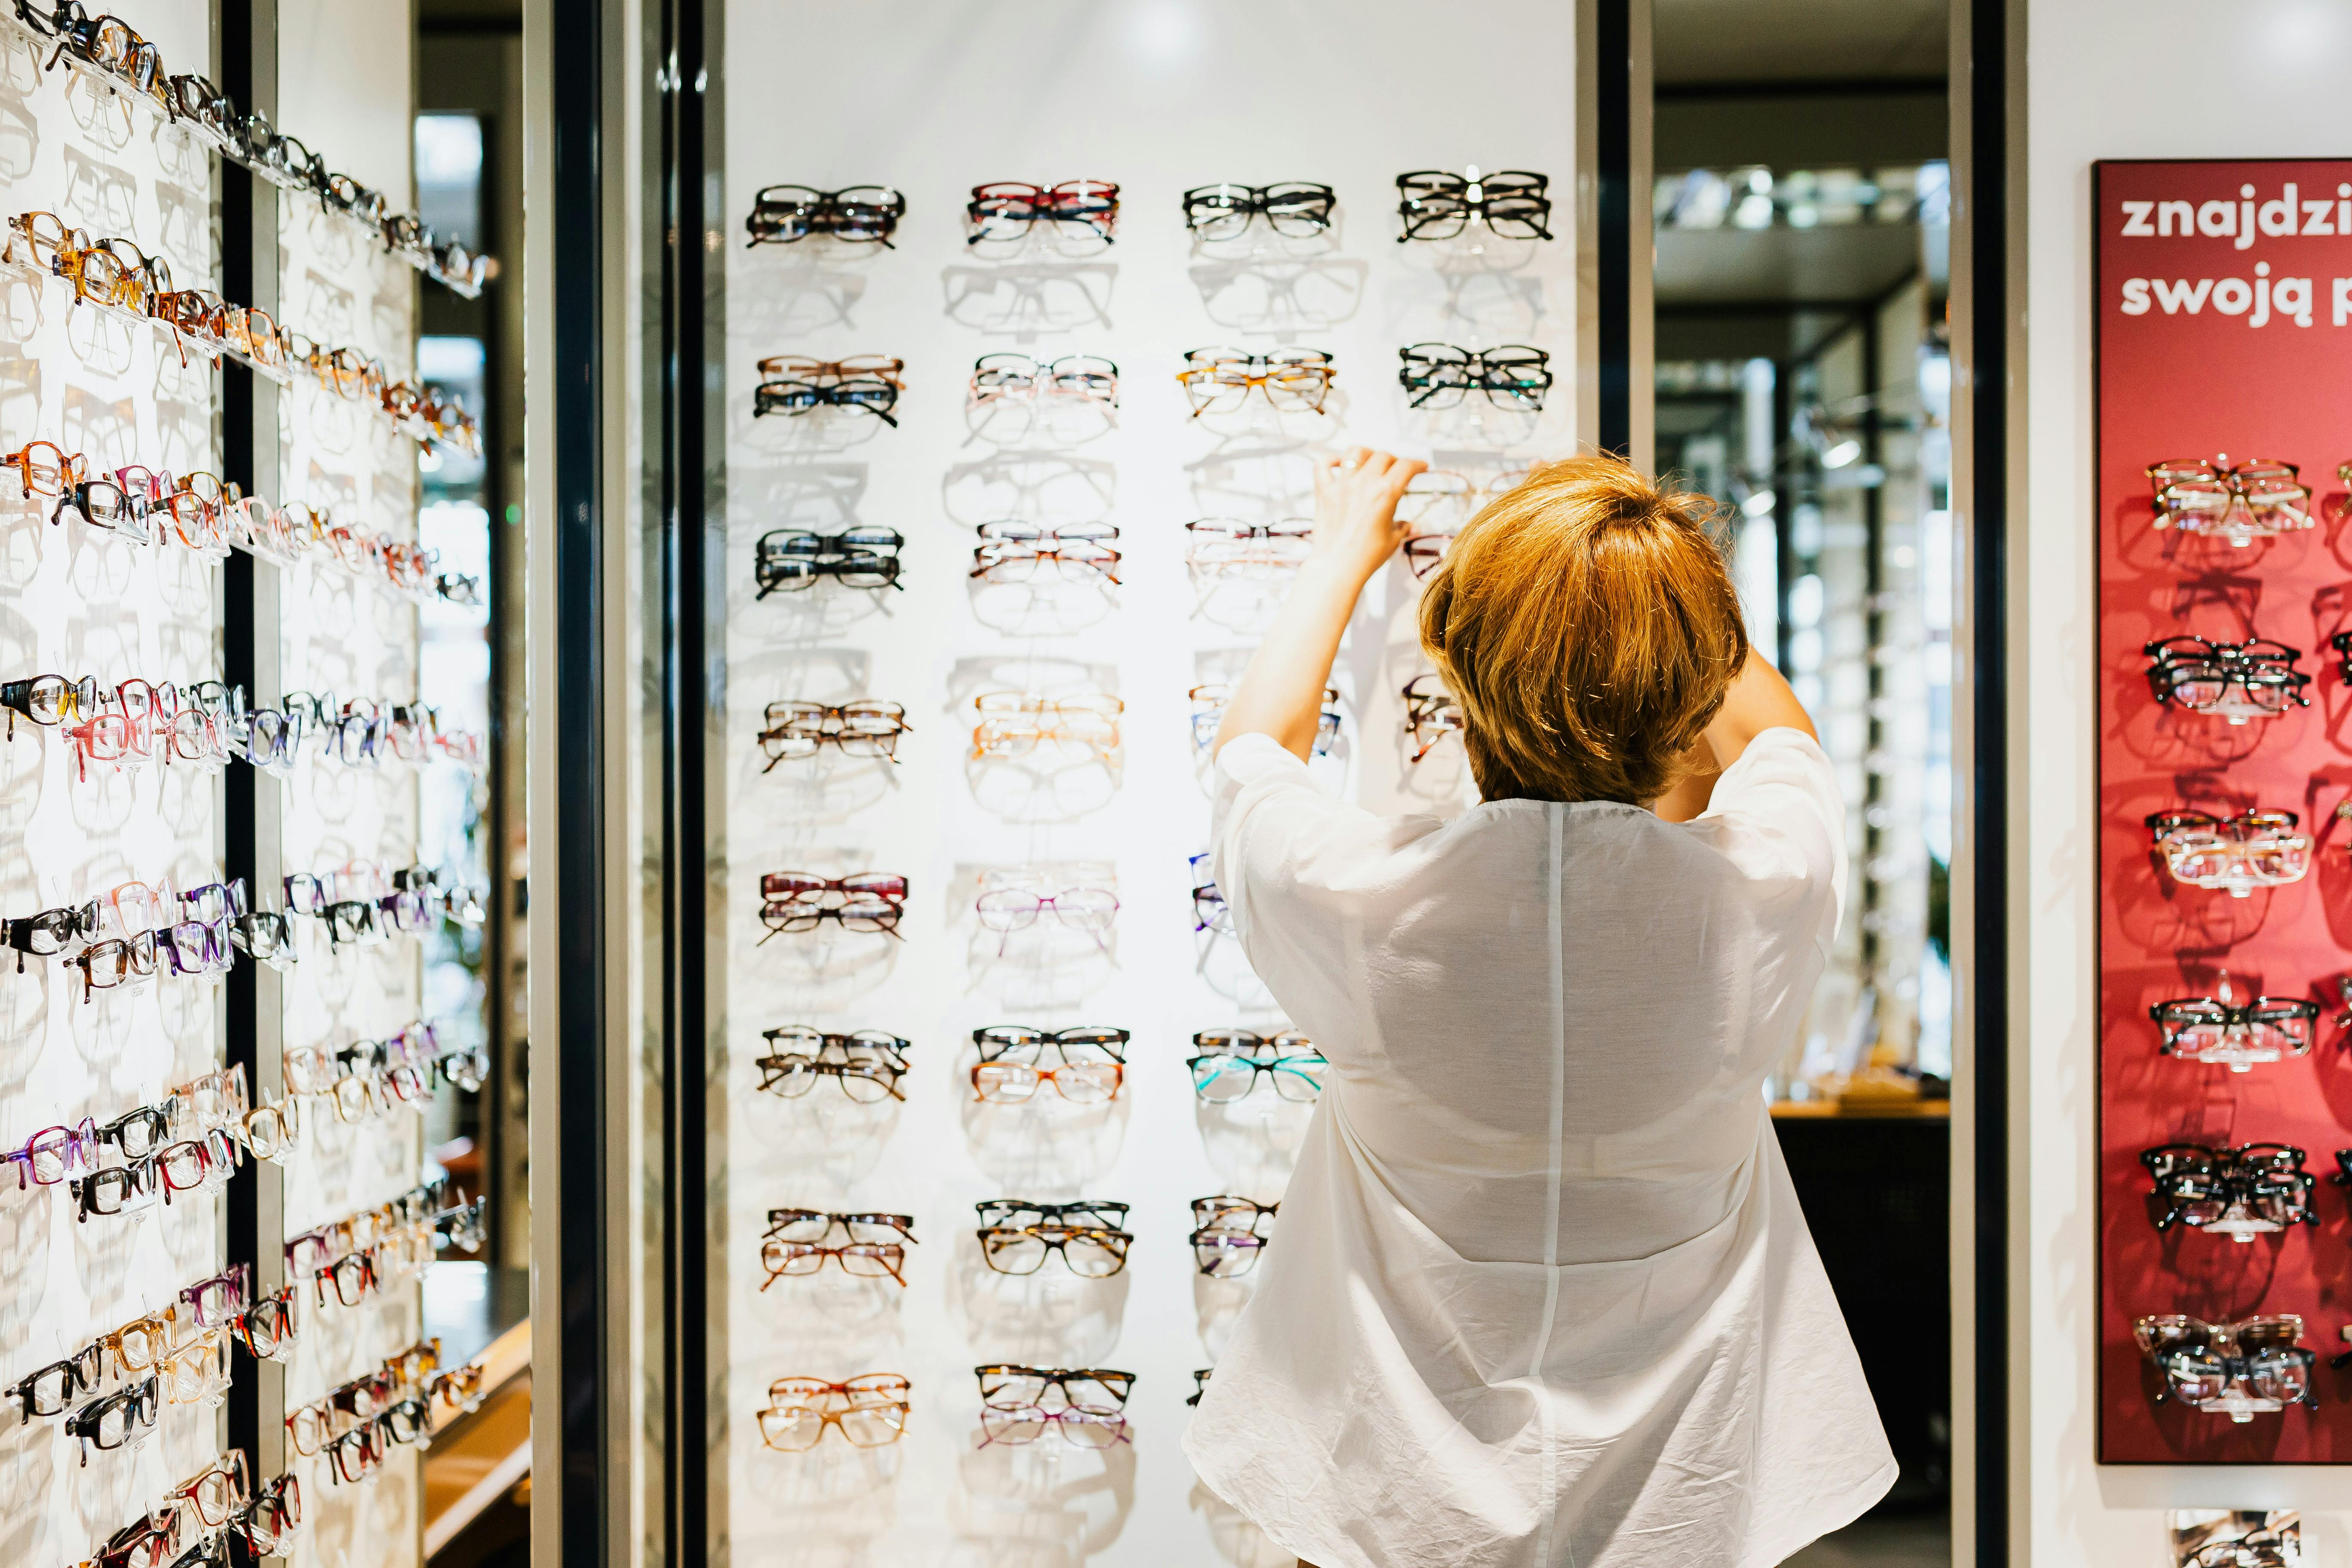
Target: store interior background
x=1800, y=202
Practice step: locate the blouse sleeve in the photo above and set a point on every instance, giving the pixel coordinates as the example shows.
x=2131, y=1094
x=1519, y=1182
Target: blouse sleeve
x=1782, y=795
x=1298, y=867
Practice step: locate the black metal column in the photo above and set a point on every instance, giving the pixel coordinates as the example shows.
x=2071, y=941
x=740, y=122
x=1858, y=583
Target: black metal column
x=1987, y=389
x=1614, y=210
x=687, y=344
x=584, y=1289
x=246, y=52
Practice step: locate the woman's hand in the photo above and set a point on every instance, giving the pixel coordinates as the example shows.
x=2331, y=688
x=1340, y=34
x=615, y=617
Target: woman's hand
x=1356, y=526
x=1355, y=530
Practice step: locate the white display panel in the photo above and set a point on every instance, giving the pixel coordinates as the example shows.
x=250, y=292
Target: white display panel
x=76, y=601
x=932, y=98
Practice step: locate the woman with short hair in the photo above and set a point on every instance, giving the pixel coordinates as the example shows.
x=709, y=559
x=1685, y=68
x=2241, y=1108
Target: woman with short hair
x=1542, y=1293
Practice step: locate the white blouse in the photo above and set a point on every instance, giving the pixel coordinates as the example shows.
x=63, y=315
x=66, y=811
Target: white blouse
x=1540, y=1292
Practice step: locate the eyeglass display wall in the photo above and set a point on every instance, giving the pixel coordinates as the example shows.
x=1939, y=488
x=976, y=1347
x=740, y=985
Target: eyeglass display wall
x=990, y=563
x=209, y=1313
x=2224, y=290
x=78, y=1049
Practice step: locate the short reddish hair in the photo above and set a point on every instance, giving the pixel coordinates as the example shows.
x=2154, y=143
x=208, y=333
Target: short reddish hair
x=1586, y=624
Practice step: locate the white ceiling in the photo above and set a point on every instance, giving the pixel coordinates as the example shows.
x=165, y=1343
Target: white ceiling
x=1784, y=40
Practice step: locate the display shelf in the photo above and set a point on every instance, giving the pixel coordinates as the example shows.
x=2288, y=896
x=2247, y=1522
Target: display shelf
x=2222, y=292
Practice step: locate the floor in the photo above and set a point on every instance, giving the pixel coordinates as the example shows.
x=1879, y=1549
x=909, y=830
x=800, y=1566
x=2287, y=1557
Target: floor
x=1883, y=1541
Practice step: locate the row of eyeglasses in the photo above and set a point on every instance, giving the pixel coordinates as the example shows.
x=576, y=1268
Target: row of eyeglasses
x=2239, y=1192
x=197, y=1518
x=212, y=518
x=2259, y=847
x=791, y=560
x=107, y=50
x=2226, y=1032
x=210, y=723
x=1016, y=1236
x=118, y=938
x=2257, y=500
x=1431, y=205
x=191, y=1140
x=357, y=1423
x=2240, y=1369
x=2256, y=679
x=1227, y=1064
x=117, y=278
x=359, y=1255
x=1019, y=1405
x=179, y=1342
x=1215, y=380
x=1016, y=724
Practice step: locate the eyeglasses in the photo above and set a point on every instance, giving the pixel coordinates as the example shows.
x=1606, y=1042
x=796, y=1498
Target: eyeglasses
x=1019, y=1212
x=50, y=1390
x=50, y=932
x=862, y=1259
x=270, y=1520
x=1225, y=1238
x=269, y=1329
x=2240, y=1370
x=2253, y=500
x=788, y=560
x=2262, y=1549
x=48, y=700
x=223, y=1488
x=1440, y=375
x=2200, y=676
x=1009, y=209
x=869, y=1411
x=140, y=1344
x=2209, y=1030
x=1010, y=910
x=215, y=1300
x=459, y=1389
x=1209, y=712
x=794, y=386
x=1209, y=910
x=1436, y=205
x=1218, y=380
x=118, y=1419
x=1016, y=724
x=817, y=1225
x=1200, y=1384
x=2238, y=1193
x=1006, y=377
x=798, y=902
x=1086, y=1405
x=1008, y=1072
x=855, y=215
x=1020, y=551
x=863, y=728
x=1215, y=545
x=1091, y=1252
x=116, y=1189
x=867, y=1064
x=1015, y=1387
x=2255, y=848
x=53, y=1153
x=1298, y=208
x=1430, y=713
x=1231, y=1062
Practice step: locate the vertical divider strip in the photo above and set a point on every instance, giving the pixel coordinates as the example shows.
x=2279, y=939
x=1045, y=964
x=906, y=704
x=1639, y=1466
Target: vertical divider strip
x=692, y=338
x=246, y=52
x=588, y=1504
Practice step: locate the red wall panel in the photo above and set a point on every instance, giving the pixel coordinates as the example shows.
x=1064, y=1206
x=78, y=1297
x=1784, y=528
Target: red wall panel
x=2194, y=383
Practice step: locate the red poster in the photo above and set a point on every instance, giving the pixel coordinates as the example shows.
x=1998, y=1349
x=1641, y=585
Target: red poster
x=2224, y=334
